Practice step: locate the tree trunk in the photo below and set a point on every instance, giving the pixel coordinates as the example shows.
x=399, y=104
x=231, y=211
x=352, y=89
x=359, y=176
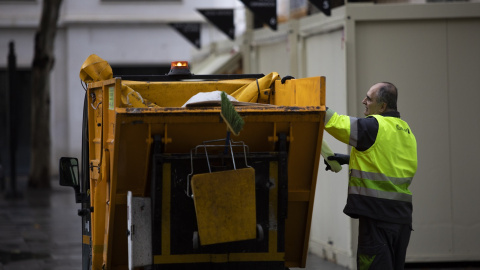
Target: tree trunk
x=42, y=64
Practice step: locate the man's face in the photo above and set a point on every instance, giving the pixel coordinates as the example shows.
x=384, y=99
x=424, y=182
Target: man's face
x=370, y=101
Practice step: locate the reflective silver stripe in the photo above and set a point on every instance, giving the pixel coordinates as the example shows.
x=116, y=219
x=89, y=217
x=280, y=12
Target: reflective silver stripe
x=380, y=177
x=328, y=115
x=380, y=194
x=353, y=132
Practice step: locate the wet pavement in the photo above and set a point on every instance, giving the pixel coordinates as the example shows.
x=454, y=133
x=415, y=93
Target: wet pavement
x=40, y=230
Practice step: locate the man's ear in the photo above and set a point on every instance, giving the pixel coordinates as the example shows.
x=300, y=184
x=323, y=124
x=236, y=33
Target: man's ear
x=383, y=108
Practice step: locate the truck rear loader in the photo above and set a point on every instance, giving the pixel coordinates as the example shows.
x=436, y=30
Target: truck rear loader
x=163, y=185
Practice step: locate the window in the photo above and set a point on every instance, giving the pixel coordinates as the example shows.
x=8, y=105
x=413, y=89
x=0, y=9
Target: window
x=21, y=118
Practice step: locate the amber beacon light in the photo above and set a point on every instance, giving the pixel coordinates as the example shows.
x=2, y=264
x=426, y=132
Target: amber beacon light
x=179, y=68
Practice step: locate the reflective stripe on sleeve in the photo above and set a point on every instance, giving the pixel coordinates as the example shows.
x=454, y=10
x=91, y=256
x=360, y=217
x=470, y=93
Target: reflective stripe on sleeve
x=328, y=115
x=353, y=132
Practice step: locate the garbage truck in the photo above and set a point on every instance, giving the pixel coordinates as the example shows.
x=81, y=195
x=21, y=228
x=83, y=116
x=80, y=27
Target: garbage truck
x=163, y=184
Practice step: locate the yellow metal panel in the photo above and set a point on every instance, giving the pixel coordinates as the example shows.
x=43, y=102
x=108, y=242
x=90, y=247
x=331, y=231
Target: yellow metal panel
x=308, y=91
x=98, y=222
x=230, y=257
x=119, y=243
x=132, y=158
x=190, y=258
x=256, y=257
x=166, y=193
x=225, y=205
x=115, y=128
x=300, y=92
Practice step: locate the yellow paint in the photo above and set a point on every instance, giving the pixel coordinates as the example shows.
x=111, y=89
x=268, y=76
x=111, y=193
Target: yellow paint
x=98, y=223
x=219, y=258
x=166, y=208
x=256, y=257
x=225, y=205
x=110, y=210
x=97, y=249
x=300, y=92
x=190, y=258
x=127, y=134
x=86, y=239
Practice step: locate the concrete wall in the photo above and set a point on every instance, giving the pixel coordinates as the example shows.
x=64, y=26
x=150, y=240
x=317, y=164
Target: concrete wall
x=430, y=51
x=271, y=51
x=330, y=235
x=433, y=58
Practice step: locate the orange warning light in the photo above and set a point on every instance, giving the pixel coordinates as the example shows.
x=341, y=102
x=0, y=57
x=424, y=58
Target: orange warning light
x=179, y=68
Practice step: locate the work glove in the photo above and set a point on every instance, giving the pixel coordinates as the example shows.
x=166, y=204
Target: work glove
x=288, y=77
x=326, y=152
x=340, y=158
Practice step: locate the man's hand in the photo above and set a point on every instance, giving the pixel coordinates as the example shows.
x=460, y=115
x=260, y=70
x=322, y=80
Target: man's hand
x=340, y=158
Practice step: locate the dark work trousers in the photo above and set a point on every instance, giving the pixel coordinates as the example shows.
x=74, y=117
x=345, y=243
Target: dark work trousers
x=382, y=245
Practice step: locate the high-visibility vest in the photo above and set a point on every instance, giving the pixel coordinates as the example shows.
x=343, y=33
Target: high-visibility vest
x=386, y=169
x=379, y=176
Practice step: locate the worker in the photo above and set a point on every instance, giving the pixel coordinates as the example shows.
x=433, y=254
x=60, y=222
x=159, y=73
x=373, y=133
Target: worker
x=382, y=164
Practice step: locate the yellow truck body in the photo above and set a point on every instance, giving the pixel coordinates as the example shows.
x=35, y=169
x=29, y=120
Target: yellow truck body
x=138, y=149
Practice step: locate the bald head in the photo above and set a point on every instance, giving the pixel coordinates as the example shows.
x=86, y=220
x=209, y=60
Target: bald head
x=388, y=94
x=381, y=98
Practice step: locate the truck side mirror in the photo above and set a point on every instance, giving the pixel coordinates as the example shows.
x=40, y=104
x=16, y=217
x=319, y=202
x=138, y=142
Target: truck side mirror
x=69, y=175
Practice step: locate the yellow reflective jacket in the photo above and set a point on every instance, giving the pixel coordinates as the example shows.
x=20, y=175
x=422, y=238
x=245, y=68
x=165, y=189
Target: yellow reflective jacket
x=380, y=175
